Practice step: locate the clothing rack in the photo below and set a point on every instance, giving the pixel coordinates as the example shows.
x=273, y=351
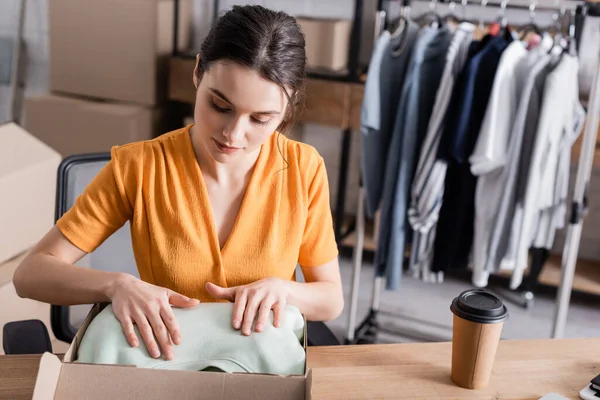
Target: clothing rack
x=368, y=328
x=16, y=66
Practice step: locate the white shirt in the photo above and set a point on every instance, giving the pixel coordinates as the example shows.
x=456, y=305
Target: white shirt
x=490, y=151
x=500, y=244
x=546, y=182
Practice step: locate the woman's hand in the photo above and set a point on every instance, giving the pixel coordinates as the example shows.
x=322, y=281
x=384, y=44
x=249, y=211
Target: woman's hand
x=149, y=307
x=254, y=301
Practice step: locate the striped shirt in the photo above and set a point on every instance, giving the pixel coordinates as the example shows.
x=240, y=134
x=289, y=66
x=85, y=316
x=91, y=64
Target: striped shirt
x=428, y=184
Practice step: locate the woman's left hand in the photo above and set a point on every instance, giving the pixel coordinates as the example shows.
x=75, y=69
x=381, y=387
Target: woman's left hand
x=254, y=301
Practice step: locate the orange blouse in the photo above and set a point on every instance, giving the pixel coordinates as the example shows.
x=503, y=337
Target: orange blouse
x=285, y=217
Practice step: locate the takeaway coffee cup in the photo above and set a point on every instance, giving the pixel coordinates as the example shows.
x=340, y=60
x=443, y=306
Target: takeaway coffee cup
x=476, y=328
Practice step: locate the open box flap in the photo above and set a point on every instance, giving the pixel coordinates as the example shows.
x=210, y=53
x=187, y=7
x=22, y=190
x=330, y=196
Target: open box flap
x=47, y=377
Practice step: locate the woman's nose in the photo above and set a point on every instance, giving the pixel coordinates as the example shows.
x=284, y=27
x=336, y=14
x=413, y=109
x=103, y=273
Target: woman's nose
x=234, y=132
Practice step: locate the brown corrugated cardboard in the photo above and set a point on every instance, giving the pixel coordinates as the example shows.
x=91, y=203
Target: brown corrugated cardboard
x=28, y=170
x=75, y=125
x=327, y=42
x=115, y=49
x=69, y=380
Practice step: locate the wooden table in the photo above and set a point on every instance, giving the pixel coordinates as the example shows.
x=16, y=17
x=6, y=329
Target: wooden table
x=523, y=370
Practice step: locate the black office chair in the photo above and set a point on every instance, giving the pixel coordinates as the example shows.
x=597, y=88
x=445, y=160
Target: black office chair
x=115, y=254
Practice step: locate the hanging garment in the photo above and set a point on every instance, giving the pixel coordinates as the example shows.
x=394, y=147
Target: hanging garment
x=531, y=102
x=430, y=75
x=454, y=236
x=209, y=342
x=385, y=78
x=553, y=217
x=428, y=183
x=489, y=155
x=545, y=184
x=508, y=215
x=390, y=245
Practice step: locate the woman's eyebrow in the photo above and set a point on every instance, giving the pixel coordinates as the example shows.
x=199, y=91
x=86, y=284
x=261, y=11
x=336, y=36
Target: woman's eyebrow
x=221, y=95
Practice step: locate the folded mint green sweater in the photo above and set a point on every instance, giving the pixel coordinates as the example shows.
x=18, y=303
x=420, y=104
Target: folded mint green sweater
x=209, y=342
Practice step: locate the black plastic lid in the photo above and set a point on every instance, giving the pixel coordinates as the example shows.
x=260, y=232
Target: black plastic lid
x=479, y=305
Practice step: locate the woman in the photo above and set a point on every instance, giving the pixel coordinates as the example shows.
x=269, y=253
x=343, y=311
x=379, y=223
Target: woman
x=222, y=210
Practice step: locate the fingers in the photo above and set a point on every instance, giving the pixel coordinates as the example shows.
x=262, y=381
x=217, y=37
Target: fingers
x=250, y=314
x=219, y=292
x=147, y=336
x=127, y=325
x=263, y=314
x=179, y=300
x=239, y=306
x=278, y=313
x=170, y=321
x=161, y=333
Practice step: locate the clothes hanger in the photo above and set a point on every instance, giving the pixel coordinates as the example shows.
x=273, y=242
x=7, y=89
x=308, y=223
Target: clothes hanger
x=451, y=16
x=571, y=43
x=436, y=19
x=501, y=20
x=531, y=26
x=401, y=21
x=556, y=28
x=400, y=24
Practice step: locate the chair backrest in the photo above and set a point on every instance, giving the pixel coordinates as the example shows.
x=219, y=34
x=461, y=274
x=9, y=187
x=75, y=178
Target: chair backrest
x=115, y=254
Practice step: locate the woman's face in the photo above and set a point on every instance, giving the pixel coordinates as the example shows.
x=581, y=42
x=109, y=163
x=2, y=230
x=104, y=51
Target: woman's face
x=236, y=110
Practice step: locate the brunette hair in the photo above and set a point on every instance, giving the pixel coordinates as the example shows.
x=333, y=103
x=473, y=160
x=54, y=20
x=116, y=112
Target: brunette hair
x=269, y=42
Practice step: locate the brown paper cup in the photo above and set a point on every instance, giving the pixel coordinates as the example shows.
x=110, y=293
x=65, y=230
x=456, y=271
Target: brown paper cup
x=477, y=325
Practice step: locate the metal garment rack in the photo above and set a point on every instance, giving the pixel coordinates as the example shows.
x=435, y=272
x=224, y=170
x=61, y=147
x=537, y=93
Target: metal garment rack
x=367, y=330
x=17, y=68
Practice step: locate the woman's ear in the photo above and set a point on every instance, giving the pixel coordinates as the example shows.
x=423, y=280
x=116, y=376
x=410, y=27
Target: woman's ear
x=195, y=77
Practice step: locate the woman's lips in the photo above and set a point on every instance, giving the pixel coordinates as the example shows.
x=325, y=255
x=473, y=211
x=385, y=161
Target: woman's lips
x=226, y=149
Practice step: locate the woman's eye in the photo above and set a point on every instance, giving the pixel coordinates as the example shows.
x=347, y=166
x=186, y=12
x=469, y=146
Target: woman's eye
x=259, y=122
x=219, y=108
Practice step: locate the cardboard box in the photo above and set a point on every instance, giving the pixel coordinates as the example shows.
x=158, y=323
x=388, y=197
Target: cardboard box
x=28, y=169
x=115, y=49
x=327, y=42
x=75, y=125
x=65, y=379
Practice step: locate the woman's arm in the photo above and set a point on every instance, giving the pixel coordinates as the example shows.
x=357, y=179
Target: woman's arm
x=47, y=274
x=321, y=298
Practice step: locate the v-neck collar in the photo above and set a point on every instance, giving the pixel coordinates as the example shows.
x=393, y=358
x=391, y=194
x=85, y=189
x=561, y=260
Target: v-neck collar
x=249, y=194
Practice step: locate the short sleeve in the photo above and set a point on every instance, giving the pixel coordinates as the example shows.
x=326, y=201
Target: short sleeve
x=99, y=211
x=318, y=242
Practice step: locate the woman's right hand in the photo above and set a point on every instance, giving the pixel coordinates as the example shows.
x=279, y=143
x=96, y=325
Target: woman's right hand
x=149, y=307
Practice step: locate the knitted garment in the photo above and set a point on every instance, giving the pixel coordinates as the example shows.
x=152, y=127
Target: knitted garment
x=209, y=342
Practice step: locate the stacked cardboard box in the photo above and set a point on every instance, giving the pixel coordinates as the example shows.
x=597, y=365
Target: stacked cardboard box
x=108, y=73
x=28, y=186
